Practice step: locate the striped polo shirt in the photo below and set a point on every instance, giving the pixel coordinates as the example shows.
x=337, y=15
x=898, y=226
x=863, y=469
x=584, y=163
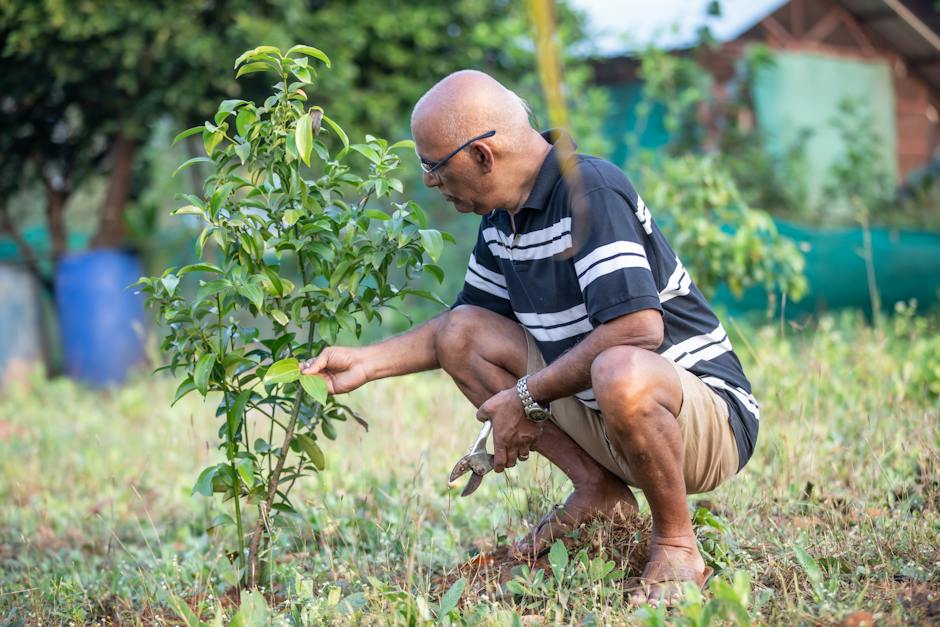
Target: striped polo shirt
x=561, y=273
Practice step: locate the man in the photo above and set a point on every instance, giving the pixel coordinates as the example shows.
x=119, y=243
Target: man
x=575, y=306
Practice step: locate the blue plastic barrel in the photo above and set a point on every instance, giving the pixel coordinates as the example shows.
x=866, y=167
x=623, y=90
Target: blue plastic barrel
x=101, y=322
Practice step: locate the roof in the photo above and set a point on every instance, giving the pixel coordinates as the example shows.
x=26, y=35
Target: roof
x=911, y=27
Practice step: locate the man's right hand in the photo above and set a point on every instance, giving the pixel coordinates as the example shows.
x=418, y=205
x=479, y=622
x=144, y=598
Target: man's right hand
x=343, y=367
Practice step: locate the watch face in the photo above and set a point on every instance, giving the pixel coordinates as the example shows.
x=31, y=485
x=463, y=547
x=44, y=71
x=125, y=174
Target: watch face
x=537, y=414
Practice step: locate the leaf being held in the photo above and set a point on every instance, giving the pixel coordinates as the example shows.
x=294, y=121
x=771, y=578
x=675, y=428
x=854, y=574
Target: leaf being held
x=315, y=386
x=284, y=371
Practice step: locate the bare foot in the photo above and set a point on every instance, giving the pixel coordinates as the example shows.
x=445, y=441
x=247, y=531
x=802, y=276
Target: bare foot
x=584, y=503
x=673, y=561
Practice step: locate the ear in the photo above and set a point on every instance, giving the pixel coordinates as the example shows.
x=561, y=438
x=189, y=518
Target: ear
x=482, y=155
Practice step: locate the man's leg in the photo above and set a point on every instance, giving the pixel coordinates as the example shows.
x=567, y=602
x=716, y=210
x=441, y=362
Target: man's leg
x=640, y=396
x=485, y=353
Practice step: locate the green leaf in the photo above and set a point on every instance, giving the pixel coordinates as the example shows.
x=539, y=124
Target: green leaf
x=280, y=316
x=405, y=143
x=252, y=293
x=809, y=564
x=245, y=118
x=198, y=267
x=284, y=371
x=310, y=51
x=251, y=68
x=203, y=484
x=188, y=133
x=338, y=130
x=315, y=386
x=303, y=74
x=256, y=51
x=212, y=140
x=292, y=215
x=433, y=243
x=202, y=371
x=182, y=610
x=375, y=214
x=190, y=162
x=452, y=597
x=184, y=388
x=436, y=271
x=252, y=612
x=237, y=411
x=558, y=558
x=188, y=210
x=368, y=152
x=243, y=151
x=211, y=289
x=246, y=469
x=225, y=109
x=170, y=282
x=310, y=448
x=303, y=136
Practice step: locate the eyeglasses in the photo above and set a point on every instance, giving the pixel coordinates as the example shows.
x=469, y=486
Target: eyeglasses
x=430, y=167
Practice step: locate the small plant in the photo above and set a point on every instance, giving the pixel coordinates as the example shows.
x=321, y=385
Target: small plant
x=298, y=249
x=728, y=604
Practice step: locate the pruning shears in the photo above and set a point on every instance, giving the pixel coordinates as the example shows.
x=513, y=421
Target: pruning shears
x=477, y=461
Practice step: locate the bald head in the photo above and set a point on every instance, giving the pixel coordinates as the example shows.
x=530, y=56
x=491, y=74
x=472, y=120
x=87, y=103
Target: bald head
x=469, y=103
x=491, y=172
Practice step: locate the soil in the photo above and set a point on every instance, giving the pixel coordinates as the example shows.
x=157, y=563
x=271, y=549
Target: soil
x=623, y=540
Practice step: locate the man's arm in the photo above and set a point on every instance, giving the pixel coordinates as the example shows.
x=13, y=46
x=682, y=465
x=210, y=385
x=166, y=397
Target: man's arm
x=346, y=368
x=571, y=373
x=412, y=351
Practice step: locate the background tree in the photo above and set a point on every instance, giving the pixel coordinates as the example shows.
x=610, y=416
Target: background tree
x=89, y=82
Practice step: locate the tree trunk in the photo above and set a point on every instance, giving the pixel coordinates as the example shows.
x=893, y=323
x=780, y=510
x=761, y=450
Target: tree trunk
x=55, y=219
x=112, y=230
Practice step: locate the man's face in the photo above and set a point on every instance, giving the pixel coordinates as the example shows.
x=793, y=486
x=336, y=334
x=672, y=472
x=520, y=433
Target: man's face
x=461, y=180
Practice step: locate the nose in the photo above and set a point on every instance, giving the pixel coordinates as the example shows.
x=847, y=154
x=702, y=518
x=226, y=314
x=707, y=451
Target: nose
x=430, y=180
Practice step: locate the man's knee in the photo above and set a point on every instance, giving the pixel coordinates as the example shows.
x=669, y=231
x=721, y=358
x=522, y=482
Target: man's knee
x=631, y=384
x=455, y=337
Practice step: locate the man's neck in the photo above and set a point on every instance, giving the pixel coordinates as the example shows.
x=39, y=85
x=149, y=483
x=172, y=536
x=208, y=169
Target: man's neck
x=531, y=167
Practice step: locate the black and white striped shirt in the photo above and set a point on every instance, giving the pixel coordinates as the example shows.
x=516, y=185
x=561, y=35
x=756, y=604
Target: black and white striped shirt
x=560, y=286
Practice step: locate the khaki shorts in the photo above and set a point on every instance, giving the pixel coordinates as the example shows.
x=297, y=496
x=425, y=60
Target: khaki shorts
x=711, y=453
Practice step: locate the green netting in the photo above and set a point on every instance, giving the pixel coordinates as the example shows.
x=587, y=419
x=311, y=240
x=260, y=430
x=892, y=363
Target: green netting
x=622, y=123
x=907, y=265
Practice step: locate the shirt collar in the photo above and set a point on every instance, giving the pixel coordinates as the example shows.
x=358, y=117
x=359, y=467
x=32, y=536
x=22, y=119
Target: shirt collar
x=549, y=173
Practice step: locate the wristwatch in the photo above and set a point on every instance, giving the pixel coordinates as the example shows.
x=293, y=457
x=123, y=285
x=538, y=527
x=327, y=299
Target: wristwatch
x=534, y=411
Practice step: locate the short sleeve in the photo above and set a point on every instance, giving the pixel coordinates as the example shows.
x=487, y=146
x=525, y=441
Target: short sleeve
x=484, y=284
x=612, y=265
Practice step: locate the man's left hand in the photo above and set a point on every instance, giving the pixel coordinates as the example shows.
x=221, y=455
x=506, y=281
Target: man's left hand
x=513, y=432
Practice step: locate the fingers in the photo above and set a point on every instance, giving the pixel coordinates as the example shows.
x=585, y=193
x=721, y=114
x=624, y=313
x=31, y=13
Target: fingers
x=315, y=364
x=482, y=416
x=499, y=458
x=524, y=452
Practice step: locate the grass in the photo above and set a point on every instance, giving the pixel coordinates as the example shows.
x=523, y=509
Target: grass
x=835, y=518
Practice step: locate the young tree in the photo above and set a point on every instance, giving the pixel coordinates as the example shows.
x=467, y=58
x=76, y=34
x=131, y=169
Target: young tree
x=278, y=204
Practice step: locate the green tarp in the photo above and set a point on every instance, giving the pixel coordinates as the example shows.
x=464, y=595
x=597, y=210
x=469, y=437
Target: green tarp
x=907, y=265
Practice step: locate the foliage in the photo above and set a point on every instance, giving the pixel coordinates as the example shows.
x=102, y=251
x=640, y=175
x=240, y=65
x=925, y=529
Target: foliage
x=269, y=221
x=82, y=81
x=859, y=175
x=716, y=234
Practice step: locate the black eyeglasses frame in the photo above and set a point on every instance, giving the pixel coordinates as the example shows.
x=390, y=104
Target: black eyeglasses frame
x=431, y=168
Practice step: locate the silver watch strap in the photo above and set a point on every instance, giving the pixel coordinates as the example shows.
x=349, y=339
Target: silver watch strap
x=522, y=389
